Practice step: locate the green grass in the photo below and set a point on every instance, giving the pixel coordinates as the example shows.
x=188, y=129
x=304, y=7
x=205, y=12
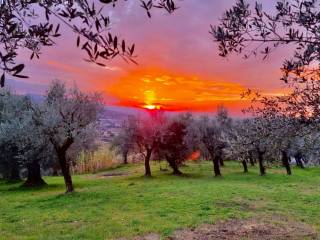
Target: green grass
x=126, y=206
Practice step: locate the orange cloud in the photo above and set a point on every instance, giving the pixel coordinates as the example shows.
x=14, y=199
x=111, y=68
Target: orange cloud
x=173, y=92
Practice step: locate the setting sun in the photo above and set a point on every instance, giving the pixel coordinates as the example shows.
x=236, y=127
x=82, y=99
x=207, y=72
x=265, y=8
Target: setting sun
x=154, y=90
x=149, y=100
x=152, y=107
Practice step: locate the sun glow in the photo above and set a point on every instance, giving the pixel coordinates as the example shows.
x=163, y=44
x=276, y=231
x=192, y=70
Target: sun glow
x=155, y=91
x=195, y=156
x=152, y=107
x=149, y=100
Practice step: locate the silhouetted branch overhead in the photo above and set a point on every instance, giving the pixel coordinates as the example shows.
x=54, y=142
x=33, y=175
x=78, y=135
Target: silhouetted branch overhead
x=33, y=25
x=251, y=31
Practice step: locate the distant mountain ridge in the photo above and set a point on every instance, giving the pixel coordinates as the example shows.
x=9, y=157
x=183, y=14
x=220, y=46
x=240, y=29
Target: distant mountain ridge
x=25, y=87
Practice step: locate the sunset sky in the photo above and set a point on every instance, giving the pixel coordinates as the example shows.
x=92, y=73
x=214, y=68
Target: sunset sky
x=179, y=67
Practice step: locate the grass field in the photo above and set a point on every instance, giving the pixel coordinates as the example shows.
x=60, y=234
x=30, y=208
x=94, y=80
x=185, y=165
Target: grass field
x=131, y=205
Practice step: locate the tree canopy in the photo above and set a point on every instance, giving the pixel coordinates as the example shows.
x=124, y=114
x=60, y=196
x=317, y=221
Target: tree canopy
x=250, y=30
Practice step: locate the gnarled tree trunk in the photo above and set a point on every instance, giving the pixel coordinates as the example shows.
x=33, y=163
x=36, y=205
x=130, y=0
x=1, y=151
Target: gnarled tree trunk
x=65, y=169
x=125, y=158
x=34, y=178
x=299, y=161
x=216, y=165
x=285, y=162
x=245, y=166
x=252, y=161
x=173, y=164
x=147, y=163
x=221, y=161
x=261, y=166
x=61, y=151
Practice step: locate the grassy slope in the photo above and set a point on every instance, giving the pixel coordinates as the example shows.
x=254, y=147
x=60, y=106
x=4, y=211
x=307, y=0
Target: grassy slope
x=107, y=208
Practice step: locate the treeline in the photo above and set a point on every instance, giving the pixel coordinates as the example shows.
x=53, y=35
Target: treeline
x=47, y=135
x=36, y=137
x=261, y=140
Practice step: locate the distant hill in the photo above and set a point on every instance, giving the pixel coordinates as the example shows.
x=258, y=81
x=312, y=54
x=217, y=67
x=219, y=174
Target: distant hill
x=26, y=87
x=114, y=114
x=111, y=120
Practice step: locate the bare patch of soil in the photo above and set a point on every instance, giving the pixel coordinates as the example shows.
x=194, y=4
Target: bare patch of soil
x=272, y=228
x=253, y=229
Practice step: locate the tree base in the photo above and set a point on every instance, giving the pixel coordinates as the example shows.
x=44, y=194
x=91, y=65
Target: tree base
x=177, y=173
x=12, y=181
x=34, y=183
x=68, y=192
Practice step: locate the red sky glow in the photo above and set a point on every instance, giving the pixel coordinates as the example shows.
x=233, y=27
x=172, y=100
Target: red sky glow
x=178, y=64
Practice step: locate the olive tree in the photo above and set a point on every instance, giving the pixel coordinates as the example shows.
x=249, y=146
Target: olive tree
x=251, y=139
x=124, y=141
x=237, y=147
x=250, y=31
x=65, y=115
x=148, y=136
x=208, y=134
x=173, y=146
x=22, y=144
x=225, y=124
x=292, y=119
x=13, y=117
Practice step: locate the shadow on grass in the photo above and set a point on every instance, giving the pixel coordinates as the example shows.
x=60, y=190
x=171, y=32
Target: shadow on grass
x=187, y=175
x=76, y=200
x=10, y=182
x=22, y=188
x=115, y=168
